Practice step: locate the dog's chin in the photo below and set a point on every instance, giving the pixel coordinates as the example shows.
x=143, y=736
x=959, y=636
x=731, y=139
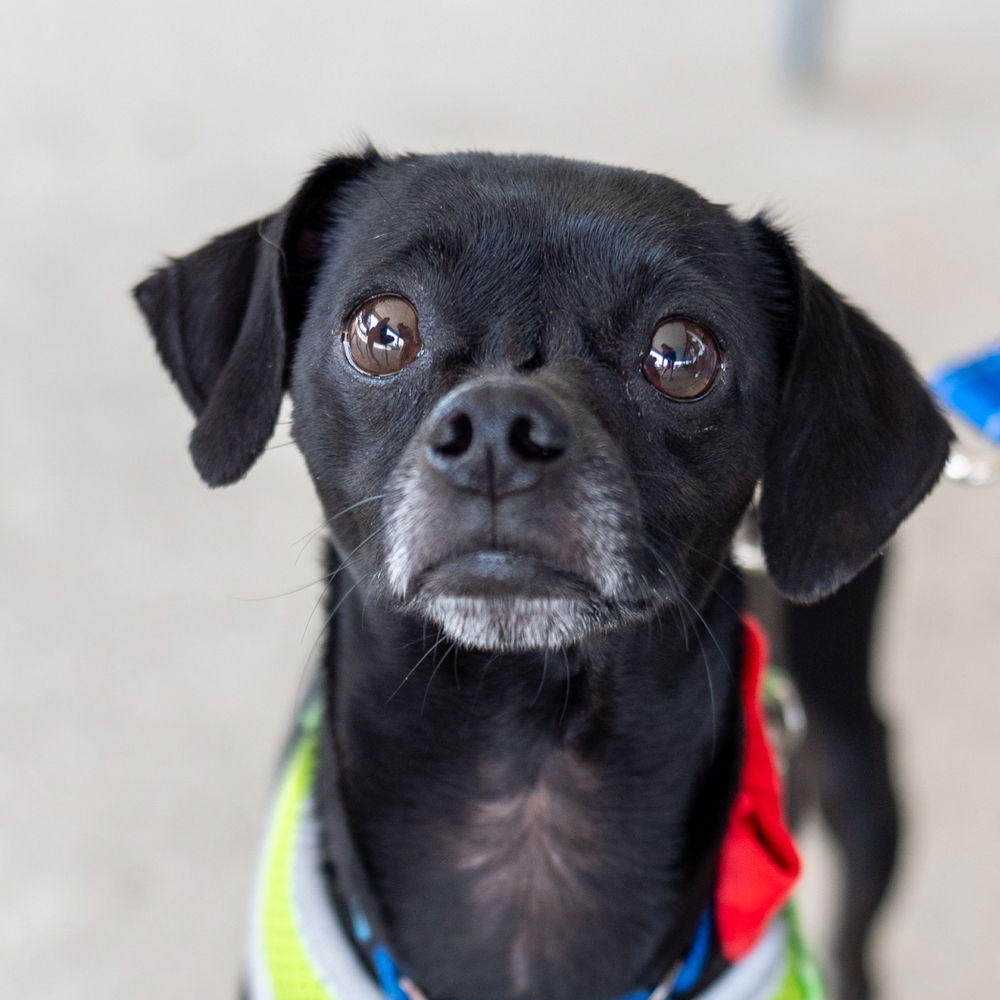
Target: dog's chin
x=508, y=602
x=511, y=624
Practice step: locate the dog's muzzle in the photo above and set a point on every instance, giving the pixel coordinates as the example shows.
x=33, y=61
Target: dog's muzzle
x=509, y=514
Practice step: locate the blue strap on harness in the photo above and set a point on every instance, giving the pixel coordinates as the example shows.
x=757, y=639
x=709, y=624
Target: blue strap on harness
x=388, y=974
x=694, y=963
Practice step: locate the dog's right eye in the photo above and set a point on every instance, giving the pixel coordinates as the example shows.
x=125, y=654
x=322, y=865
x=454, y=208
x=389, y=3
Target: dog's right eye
x=382, y=338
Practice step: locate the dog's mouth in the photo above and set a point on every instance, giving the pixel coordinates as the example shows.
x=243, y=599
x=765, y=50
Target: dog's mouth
x=511, y=601
x=500, y=574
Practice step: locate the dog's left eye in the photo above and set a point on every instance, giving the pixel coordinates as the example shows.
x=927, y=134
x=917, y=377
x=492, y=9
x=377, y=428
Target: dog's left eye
x=382, y=336
x=683, y=359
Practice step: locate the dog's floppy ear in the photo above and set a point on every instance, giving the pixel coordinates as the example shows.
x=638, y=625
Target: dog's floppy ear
x=858, y=442
x=225, y=317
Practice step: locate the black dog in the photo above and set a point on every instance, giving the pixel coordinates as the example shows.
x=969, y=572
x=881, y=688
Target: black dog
x=536, y=398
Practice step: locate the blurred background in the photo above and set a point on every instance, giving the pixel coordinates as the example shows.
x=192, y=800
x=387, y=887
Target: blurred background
x=154, y=634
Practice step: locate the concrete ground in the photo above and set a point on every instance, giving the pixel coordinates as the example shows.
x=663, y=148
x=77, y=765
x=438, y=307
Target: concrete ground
x=154, y=634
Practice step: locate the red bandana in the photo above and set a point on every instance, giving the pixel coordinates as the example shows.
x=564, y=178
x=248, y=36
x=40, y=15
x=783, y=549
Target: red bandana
x=758, y=864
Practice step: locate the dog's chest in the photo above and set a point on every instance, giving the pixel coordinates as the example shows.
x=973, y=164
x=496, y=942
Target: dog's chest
x=541, y=881
x=531, y=849
x=529, y=832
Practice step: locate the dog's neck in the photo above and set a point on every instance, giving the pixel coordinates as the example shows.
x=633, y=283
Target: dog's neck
x=540, y=825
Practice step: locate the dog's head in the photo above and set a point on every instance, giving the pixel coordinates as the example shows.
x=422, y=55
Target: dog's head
x=536, y=396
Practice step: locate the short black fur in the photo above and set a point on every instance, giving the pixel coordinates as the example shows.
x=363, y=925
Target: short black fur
x=536, y=788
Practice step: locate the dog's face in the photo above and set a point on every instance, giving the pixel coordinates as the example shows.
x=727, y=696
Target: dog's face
x=560, y=389
x=536, y=396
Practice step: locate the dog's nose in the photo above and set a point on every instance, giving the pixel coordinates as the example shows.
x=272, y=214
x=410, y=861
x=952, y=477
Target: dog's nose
x=497, y=437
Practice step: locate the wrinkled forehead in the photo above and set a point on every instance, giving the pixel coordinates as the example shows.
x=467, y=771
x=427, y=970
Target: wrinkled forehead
x=530, y=228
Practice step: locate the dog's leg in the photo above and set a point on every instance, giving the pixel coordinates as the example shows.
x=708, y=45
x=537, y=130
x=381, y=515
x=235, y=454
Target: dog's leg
x=846, y=758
